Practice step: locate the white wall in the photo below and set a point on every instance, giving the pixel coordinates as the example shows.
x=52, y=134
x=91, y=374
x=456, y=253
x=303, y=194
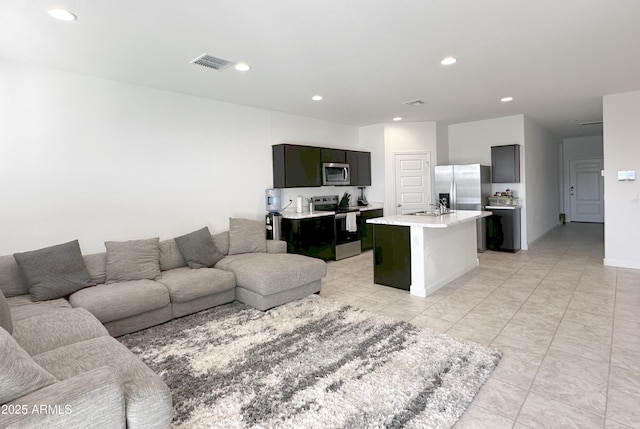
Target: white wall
x=573, y=149
x=622, y=199
x=470, y=143
x=293, y=129
x=541, y=158
x=410, y=137
x=372, y=140
x=442, y=132
x=99, y=160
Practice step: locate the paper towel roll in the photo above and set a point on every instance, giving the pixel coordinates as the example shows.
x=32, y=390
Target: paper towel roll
x=299, y=205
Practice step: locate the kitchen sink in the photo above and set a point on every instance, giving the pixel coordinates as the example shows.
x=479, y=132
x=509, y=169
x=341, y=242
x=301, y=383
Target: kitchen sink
x=432, y=213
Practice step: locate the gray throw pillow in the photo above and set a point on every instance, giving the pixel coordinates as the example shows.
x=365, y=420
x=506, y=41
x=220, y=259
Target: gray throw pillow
x=19, y=373
x=5, y=314
x=133, y=260
x=54, y=272
x=198, y=250
x=246, y=236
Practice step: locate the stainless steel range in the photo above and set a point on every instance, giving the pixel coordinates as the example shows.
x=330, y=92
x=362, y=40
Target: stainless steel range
x=346, y=223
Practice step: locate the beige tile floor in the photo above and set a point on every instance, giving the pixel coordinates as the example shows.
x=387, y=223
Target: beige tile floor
x=568, y=326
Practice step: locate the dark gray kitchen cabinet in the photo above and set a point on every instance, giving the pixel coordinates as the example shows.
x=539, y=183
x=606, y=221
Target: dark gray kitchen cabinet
x=359, y=167
x=392, y=256
x=296, y=166
x=365, y=230
x=333, y=155
x=503, y=230
x=315, y=237
x=505, y=164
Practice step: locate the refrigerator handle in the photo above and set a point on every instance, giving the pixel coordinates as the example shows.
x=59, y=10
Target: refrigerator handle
x=454, y=198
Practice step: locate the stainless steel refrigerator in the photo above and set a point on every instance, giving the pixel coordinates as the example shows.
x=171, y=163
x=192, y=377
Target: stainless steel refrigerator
x=465, y=187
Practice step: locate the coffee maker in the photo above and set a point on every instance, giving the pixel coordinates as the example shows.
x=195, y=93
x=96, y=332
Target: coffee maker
x=362, y=200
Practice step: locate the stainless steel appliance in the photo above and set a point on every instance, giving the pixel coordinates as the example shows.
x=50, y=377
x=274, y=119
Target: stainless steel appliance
x=347, y=241
x=273, y=222
x=465, y=187
x=334, y=173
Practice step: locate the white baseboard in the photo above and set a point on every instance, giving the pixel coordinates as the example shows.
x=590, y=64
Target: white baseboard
x=620, y=263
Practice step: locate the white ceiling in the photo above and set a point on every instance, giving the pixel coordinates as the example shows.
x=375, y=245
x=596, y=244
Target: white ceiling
x=557, y=58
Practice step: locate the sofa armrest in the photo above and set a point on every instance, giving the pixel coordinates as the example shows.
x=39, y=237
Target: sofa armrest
x=276, y=246
x=94, y=399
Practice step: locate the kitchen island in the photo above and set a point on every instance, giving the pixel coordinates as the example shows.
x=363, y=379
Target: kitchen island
x=422, y=253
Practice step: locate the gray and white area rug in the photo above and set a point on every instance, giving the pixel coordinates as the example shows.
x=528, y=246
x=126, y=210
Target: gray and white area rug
x=312, y=363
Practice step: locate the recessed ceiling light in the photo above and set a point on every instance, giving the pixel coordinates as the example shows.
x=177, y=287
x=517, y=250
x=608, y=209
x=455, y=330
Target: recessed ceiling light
x=317, y=97
x=242, y=67
x=506, y=99
x=62, y=15
x=397, y=118
x=448, y=61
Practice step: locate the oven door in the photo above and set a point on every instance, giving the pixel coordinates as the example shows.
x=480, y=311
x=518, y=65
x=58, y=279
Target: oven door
x=347, y=237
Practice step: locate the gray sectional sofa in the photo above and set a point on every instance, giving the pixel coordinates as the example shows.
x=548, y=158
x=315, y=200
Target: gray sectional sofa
x=59, y=354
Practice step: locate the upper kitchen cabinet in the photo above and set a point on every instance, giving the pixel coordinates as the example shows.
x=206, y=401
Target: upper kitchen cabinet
x=296, y=166
x=332, y=155
x=505, y=164
x=359, y=167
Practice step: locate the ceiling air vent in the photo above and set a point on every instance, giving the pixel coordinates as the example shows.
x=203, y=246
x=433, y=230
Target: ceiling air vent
x=413, y=102
x=212, y=62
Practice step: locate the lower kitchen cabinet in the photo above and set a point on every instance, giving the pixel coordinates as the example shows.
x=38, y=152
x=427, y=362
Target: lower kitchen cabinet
x=365, y=230
x=313, y=237
x=503, y=229
x=392, y=256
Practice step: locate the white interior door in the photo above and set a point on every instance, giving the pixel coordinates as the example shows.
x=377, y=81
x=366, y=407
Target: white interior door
x=586, y=190
x=412, y=182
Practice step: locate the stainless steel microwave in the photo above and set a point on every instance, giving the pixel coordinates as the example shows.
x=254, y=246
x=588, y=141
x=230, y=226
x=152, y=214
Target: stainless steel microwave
x=335, y=174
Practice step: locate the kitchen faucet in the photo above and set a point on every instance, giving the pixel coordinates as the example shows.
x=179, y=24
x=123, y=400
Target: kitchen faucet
x=442, y=206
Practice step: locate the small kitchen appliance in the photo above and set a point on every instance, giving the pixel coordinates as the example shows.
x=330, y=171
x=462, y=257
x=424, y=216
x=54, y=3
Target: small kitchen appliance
x=362, y=200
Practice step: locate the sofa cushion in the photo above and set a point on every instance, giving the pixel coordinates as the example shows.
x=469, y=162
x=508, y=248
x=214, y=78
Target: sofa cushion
x=147, y=398
x=12, y=282
x=198, y=250
x=96, y=266
x=55, y=329
x=19, y=373
x=268, y=273
x=54, y=272
x=221, y=240
x=246, y=236
x=23, y=306
x=185, y=284
x=116, y=301
x=5, y=314
x=132, y=260
x=170, y=256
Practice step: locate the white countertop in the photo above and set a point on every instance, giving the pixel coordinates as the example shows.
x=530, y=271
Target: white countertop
x=292, y=214
x=502, y=207
x=443, y=221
